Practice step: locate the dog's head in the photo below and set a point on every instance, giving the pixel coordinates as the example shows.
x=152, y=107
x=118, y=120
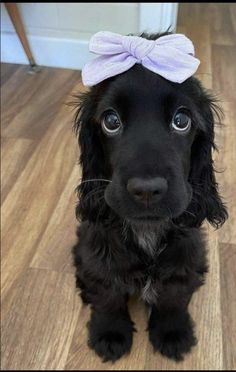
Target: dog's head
x=153, y=140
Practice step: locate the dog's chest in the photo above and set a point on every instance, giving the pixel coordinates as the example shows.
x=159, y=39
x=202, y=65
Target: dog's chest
x=148, y=241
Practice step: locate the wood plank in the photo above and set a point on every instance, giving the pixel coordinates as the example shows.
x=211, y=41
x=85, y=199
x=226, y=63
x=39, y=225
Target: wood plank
x=222, y=30
x=34, y=196
x=47, y=91
x=232, y=12
x=38, y=321
x=219, y=18
x=224, y=71
x=54, y=249
x=228, y=303
x=17, y=91
x=15, y=153
x=225, y=161
x=7, y=70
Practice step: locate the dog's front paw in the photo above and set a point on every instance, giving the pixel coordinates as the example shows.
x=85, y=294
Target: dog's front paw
x=110, y=338
x=173, y=344
x=111, y=345
x=172, y=339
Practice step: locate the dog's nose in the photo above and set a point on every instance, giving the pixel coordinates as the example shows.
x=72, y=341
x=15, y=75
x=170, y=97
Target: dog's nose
x=147, y=191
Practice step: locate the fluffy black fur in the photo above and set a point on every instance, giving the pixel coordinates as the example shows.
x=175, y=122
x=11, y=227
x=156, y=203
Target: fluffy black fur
x=125, y=247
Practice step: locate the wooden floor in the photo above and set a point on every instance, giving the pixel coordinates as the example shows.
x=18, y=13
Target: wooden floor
x=43, y=320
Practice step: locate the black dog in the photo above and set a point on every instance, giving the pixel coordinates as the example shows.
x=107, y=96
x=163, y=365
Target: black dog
x=147, y=185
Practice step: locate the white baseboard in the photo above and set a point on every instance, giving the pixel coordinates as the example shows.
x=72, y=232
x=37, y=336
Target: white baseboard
x=158, y=17
x=47, y=51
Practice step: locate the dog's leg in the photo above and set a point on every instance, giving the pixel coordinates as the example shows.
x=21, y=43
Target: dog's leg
x=170, y=325
x=180, y=272
x=111, y=329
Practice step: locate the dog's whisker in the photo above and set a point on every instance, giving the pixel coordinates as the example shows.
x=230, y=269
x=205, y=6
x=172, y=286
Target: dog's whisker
x=96, y=189
x=196, y=201
x=125, y=229
x=92, y=193
x=100, y=210
x=95, y=180
x=169, y=210
x=190, y=213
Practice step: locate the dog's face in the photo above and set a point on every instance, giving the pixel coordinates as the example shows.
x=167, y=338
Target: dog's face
x=147, y=129
x=153, y=140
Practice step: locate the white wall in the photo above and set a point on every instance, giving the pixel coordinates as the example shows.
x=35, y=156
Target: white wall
x=59, y=32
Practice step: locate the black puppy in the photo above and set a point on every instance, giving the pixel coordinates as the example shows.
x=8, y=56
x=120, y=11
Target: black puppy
x=147, y=185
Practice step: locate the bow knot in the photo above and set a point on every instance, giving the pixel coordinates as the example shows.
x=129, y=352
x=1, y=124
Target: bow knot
x=137, y=47
x=170, y=56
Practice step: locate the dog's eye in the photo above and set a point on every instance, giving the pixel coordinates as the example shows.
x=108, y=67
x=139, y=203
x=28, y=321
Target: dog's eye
x=181, y=121
x=111, y=124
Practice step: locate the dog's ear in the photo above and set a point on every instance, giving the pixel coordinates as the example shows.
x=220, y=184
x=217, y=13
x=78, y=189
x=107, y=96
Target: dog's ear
x=206, y=202
x=92, y=158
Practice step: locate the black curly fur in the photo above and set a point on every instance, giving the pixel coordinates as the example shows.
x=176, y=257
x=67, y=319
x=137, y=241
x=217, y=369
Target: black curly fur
x=110, y=263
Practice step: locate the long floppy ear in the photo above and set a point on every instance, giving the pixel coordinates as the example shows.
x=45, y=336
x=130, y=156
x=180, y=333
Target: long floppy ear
x=93, y=161
x=206, y=202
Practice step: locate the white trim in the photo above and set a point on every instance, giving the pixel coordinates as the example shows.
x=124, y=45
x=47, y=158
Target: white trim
x=47, y=51
x=157, y=17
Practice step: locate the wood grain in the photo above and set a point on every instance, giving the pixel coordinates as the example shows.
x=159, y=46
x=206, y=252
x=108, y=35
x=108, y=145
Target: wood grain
x=40, y=305
x=43, y=320
x=232, y=12
x=46, y=91
x=54, y=247
x=13, y=162
x=34, y=196
x=225, y=163
x=228, y=303
x=7, y=70
x=223, y=59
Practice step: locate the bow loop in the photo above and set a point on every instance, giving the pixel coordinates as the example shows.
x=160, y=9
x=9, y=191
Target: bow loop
x=106, y=43
x=170, y=56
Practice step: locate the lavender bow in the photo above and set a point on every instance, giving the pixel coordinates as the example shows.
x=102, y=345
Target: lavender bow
x=171, y=56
